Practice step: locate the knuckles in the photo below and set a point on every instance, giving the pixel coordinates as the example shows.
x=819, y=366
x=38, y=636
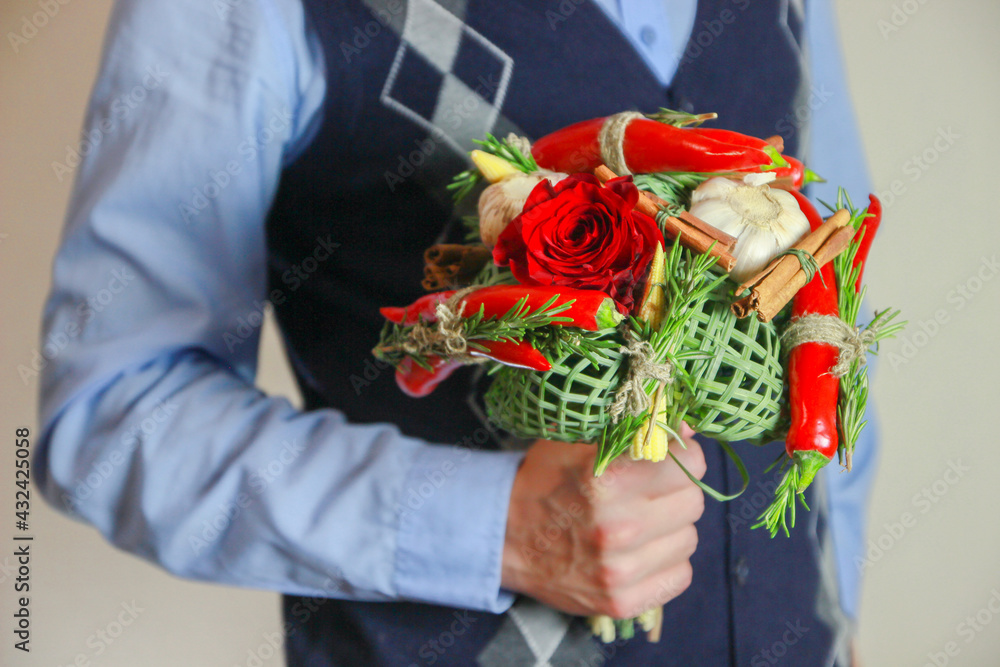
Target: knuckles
x=619, y=608
x=694, y=501
x=697, y=466
x=612, y=577
x=689, y=540
x=628, y=603
x=608, y=537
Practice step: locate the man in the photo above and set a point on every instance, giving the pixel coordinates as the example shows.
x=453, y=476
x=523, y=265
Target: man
x=295, y=153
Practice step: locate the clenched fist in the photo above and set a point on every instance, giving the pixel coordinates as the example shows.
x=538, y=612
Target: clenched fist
x=617, y=544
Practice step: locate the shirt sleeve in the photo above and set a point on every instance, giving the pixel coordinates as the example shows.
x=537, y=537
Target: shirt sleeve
x=835, y=152
x=152, y=430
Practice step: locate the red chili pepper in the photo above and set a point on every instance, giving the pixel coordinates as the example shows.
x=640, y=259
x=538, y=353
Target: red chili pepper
x=417, y=381
x=591, y=309
x=520, y=354
x=423, y=308
x=649, y=146
x=812, y=389
x=730, y=137
x=797, y=172
x=869, y=226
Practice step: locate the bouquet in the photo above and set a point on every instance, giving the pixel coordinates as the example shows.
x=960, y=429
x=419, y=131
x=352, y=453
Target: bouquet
x=629, y=273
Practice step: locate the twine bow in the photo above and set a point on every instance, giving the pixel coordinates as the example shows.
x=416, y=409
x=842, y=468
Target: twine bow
x=830, y=329
x=631, y=397
x=443, y=337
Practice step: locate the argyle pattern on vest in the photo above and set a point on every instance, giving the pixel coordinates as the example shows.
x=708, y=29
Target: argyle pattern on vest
x=409, y=86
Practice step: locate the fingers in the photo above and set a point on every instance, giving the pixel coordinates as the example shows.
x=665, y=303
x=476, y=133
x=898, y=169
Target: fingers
x=626, y=478
x=622, y=570
x=690, y=456
x=642, y=521
x=653, y=591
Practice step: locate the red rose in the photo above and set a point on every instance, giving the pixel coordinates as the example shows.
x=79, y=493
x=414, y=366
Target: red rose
x=581, y=235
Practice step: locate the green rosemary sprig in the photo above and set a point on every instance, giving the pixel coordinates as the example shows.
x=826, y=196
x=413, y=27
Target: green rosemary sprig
x=464, y=182
x=555, y=342
x=780, y=514
x=687, y=284
x=519, y=323
x=491, y=274
x=508, y=151
x=675, y=188
x=854, y=383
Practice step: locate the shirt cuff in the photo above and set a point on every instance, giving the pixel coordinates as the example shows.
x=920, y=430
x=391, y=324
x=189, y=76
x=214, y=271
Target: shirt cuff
x=452, y=524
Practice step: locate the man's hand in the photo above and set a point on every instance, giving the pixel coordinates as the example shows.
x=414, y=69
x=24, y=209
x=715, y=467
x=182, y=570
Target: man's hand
x=618, y=544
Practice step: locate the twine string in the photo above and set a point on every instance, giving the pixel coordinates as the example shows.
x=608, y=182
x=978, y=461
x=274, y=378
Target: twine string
x=853, y=342
x=631, y=398
x=444, y=336
x=612, y=140
x=806, y=259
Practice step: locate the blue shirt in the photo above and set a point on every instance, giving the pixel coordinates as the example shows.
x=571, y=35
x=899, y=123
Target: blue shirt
x=152, y=428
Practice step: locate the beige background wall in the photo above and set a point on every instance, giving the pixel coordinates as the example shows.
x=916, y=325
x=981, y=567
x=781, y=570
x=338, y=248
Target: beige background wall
x=918, y=68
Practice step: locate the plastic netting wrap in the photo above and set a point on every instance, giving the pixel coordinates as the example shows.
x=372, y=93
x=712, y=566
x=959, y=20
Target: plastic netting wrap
x=736, y=381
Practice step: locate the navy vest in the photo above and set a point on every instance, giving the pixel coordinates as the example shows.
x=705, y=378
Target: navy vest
x=401, y=110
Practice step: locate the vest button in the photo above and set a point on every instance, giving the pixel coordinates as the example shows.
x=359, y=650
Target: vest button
x=647, y=35
x=741, y=570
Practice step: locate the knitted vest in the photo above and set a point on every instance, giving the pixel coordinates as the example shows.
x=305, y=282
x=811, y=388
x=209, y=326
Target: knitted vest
x=409, y=86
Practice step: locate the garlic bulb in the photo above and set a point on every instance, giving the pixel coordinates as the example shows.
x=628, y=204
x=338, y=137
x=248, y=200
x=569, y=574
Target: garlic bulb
x=765, y=221
x=502, y=202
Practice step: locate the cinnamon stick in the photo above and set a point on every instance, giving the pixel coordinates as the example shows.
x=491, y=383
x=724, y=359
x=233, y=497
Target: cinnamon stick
x=778, y=142
x=775, y=286
x=452, y=265
x=692, y=232
x=717, y=234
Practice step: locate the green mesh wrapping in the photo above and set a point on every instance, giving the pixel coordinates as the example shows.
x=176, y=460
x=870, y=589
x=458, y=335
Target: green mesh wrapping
x=738, y=385
x=567, y=403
